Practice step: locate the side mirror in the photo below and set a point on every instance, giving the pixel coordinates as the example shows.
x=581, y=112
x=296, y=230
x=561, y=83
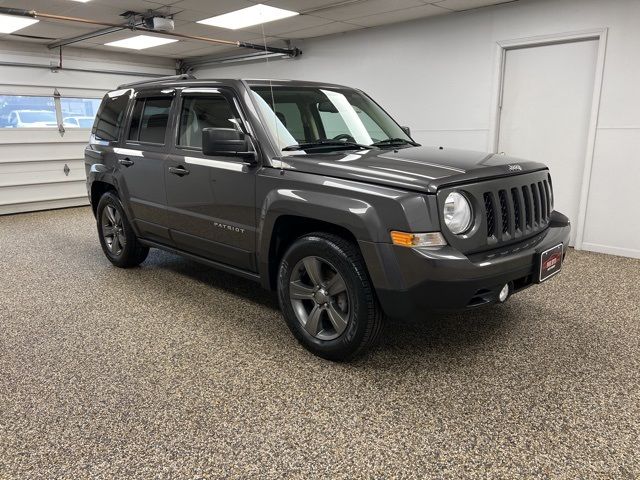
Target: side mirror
x=227, y=142
x=406, y=130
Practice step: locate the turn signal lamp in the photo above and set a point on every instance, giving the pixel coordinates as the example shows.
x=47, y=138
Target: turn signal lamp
x=405, y=239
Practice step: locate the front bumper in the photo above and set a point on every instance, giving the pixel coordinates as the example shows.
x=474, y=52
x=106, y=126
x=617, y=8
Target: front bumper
x=412, y=280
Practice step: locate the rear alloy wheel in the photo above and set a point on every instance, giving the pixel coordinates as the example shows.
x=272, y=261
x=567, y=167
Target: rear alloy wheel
x=112, y=230
x=117, y=238
x=327, y=298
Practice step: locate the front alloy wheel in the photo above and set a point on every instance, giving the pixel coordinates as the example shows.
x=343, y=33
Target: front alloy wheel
x=319, y=298
x=327, y=298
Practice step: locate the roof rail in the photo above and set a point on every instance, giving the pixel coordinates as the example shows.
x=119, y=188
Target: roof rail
x=184, y=76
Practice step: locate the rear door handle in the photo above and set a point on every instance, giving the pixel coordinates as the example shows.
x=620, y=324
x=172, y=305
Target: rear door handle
x=126, y=162
x=180, y=171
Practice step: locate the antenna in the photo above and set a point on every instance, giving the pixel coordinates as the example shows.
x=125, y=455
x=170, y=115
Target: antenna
x=273, y=101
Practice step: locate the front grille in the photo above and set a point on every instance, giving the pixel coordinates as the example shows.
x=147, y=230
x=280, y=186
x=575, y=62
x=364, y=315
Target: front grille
x=508, y=209
x=504, y=210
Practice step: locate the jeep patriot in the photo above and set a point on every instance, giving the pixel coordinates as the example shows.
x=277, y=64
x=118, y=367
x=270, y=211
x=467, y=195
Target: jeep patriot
x=313, y=190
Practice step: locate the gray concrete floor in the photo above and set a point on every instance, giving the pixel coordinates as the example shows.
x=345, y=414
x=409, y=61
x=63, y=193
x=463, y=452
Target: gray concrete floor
x=174, y=370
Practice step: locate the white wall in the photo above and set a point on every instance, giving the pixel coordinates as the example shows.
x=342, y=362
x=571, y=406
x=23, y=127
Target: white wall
x=32, y=161
x=438, y=76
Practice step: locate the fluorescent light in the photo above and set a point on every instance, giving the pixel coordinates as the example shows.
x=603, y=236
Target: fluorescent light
x=11, y=23
x=248, y=16
x=140, y=42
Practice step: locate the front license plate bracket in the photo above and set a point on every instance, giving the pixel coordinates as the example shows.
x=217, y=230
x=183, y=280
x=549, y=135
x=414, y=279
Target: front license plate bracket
x=550, y=262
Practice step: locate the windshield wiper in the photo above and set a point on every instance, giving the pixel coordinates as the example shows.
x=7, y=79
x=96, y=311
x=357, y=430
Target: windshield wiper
x=323, y=144
x=395, y=141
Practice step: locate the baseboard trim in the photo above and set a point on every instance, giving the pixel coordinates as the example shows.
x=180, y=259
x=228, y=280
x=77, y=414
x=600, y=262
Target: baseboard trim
x=619, y=251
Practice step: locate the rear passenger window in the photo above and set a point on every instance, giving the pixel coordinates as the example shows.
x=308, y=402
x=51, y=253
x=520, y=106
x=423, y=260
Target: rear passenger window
x=149, y=120
x=212, y=111
x=109, y=119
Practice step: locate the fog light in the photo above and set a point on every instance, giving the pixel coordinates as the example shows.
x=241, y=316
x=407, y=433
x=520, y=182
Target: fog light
x=504, y=293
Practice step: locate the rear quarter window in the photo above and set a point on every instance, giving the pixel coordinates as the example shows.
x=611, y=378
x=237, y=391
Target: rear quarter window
x=110, y=117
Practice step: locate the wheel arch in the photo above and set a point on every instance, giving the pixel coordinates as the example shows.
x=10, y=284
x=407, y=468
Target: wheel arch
x=282, y=223
x=98, y=189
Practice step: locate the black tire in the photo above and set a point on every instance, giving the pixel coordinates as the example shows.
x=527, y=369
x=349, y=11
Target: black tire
x=130, y=252
x=365, y=316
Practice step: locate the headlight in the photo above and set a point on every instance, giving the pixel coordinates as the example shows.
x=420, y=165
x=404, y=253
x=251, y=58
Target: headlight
x=457, y=213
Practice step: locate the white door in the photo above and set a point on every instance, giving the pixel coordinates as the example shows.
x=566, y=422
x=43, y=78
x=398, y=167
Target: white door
x=545, y=113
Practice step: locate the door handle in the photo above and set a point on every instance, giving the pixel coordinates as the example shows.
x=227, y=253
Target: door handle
x=126, y=162
x=180, y=171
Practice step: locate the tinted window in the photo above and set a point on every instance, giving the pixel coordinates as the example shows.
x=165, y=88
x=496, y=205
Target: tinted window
x=134, y=129
x=150, y=119
x=204, y=112
x=110, y=117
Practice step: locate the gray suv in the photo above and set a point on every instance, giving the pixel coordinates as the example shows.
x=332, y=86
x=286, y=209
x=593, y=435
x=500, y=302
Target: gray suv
x=313, y=190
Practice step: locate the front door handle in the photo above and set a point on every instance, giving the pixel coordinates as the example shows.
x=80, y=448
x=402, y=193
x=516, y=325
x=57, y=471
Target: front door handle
x=180, y=171
x=126, y=162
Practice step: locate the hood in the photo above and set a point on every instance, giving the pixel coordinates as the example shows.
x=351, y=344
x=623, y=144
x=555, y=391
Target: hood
x=423, y=169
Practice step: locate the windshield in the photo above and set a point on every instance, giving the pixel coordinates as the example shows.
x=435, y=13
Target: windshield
x=35, y=117
x=312, y=115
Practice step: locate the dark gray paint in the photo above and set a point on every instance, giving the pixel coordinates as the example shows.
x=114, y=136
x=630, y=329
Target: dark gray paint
x=224, y=212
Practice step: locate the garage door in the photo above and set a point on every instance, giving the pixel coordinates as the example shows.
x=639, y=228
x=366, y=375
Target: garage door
x=41, y=162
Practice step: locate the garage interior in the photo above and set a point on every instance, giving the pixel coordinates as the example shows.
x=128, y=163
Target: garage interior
x=177, y=370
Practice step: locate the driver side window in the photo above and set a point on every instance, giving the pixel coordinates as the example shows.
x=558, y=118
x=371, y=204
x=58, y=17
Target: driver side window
x=197, y=113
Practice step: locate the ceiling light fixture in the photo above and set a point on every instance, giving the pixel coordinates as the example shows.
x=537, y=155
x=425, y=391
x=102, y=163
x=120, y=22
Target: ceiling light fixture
x=140, y=42
x=12, y=23
x=249, y=16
